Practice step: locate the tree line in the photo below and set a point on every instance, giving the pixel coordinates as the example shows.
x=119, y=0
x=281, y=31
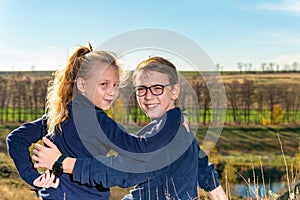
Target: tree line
x=251, y=103
x=22, y=98
x=264, y=67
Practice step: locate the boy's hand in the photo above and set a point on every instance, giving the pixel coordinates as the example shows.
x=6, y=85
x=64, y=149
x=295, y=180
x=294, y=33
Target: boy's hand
x=45, y=157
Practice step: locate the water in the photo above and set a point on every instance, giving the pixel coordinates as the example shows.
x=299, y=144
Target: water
x=243, y=190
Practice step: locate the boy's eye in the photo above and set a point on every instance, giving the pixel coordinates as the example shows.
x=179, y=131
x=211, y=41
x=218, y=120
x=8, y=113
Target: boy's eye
x=140, y=89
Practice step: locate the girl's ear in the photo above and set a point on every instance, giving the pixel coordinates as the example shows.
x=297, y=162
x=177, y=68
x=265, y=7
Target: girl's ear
x=80, y=84
x=175, y=91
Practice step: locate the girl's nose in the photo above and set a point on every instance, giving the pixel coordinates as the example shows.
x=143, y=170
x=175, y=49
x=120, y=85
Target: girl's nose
x=114, y=91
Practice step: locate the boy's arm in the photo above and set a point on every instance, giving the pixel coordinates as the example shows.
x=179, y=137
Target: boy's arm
x=207, y=175
x=91, y=171
x=217, y=194
x=208, y=178
x=45, y=157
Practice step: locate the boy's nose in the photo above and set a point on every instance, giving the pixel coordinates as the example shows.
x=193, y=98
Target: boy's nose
x=148, y=94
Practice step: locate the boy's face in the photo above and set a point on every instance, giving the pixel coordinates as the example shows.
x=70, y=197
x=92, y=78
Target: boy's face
x=102, y=87
x=156, y=105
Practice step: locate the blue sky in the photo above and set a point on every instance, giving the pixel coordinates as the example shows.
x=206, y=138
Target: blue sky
x=41, y=33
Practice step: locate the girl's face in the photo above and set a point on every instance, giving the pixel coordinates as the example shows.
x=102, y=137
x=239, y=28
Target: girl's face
x=156, y=105
x=102, y=87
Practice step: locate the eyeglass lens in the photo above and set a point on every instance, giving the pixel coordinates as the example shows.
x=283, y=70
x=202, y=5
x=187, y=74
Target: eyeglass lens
x=154, y=89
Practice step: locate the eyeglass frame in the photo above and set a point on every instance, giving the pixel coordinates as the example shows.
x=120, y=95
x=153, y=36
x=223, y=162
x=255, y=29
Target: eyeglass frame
x=149, y=88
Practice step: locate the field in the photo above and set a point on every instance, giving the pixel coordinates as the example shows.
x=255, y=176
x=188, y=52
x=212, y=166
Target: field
x=264, y=78
x=249, y=140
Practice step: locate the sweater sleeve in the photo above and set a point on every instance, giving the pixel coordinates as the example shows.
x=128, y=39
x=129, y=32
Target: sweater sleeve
x=207, y=175
x=121, y=141
x=92, y=172
x=18, y=143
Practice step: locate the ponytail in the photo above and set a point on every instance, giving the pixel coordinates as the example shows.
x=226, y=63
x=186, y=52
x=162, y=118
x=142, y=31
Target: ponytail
x=60, y=90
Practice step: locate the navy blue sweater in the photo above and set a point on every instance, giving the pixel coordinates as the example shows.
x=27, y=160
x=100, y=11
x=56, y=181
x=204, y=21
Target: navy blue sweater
x=176, y=171
x=88, y=132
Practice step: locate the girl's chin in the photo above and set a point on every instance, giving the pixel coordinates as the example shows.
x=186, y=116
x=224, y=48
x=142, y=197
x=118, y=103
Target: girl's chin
x=105, y=108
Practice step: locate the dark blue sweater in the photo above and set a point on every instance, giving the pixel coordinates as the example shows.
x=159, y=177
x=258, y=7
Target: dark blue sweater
x=176, y=173
x=88, y=132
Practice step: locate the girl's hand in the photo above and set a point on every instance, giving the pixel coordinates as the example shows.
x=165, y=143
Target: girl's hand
x=45, y=157
x=46, y=180
x=186, y=124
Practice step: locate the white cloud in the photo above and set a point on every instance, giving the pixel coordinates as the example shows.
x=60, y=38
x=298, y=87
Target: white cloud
x=289, y=6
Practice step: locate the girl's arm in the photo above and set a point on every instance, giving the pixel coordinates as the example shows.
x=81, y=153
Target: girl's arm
x=18, y=143
x=106, y=131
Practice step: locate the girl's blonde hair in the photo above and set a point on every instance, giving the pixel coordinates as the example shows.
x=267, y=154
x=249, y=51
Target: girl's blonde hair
x=61, y=89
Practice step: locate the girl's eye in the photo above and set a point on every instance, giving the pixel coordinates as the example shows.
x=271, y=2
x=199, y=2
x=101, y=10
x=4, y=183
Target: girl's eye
x=117, y=85
x=104, y=84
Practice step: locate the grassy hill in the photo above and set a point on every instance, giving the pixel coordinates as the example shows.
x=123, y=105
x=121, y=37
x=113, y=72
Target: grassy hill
x=257, y=140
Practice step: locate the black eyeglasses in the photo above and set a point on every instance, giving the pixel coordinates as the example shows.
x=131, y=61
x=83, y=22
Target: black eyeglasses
x=156, y=90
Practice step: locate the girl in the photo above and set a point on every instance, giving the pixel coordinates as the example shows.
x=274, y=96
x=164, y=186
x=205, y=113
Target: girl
x=156, y=89
x=76, y=101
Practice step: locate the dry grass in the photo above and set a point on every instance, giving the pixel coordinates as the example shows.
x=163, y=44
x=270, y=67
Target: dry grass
x=273, y=78
x=9, y=192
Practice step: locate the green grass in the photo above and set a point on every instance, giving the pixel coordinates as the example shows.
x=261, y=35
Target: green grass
x=260, y=140
x=255, y=117
x=20, y=114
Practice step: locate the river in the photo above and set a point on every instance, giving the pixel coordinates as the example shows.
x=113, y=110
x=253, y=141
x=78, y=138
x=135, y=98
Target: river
x=243, y=190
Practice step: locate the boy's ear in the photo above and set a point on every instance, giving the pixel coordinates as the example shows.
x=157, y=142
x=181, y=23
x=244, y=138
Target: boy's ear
x=80, y=84
x=175, y=91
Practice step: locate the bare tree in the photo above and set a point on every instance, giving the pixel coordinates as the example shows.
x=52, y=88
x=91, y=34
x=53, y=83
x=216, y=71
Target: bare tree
x=295, y=66
x=272, y=96
x=259, y=98
x=233, y=96
x=240, y=66
x=263, y=67
x=247, y=98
